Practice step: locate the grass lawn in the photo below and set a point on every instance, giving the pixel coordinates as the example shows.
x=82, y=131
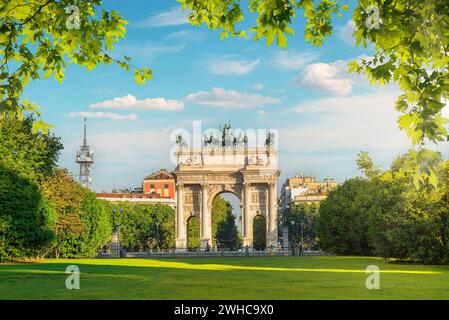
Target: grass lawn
x=224, y=278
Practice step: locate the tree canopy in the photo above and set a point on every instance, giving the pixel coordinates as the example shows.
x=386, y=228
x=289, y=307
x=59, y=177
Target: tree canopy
x=193, y=233
x=410, y=39
x=301, y=220
x=82, y=223
x=143, y=226
x=383, y=214
x=343, y=219
x=39, y=38
x=27, y=218
x=259, y=233
x=43, y=210
x=224, y=230
x=32, y=153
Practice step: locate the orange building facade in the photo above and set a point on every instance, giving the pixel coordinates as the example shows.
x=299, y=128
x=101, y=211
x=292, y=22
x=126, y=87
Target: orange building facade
x=157, y=188
x=161, y=183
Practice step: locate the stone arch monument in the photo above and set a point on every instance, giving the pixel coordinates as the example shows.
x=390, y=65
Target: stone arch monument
x=249, y=173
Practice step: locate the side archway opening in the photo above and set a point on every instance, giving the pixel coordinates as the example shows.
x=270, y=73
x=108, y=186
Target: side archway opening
x=259, y=233
x=193, y=233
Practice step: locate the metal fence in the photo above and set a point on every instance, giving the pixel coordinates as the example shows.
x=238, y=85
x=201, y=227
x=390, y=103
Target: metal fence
x=207, y=254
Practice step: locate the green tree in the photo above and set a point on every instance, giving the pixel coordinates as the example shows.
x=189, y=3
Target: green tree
x=367, y=166
x=224, y=230
x=32, y=153
x=96, y=231
x=405, y=223
x=227, y=235
x=193, y=233
x=135, y=228
x=342, y=226
x=386, y=215
x=302, y=220
x=144, y=226
x=259, y=233
x=38, y=38
x=219, y=213
x=27, y=219
x=163, y=227
x=82, y=223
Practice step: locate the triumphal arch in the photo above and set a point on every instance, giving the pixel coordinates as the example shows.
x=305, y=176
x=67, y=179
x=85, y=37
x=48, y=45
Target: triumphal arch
x=249, y=172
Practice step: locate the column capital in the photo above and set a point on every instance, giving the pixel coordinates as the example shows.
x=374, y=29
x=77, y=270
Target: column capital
x=180, y=185
x=246, y=184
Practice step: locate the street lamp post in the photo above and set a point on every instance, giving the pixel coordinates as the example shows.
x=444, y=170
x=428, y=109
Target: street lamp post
x=115, y=238
x=157, y=235
x=293, y=224
x=302, y=239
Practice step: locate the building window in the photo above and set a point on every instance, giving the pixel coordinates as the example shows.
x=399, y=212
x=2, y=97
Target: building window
x=166, y=186
x=151, y=186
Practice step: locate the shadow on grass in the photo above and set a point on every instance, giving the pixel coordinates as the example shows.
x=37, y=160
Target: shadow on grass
x=207, y=279
x=278, y=264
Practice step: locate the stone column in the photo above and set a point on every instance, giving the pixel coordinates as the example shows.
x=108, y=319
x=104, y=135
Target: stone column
x=206, y=226
x=272, y=232
x=246, y=216
x=181, y=241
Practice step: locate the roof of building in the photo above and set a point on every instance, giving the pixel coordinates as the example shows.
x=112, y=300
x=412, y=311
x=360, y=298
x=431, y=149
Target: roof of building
x=128, y=195
x=162, y=174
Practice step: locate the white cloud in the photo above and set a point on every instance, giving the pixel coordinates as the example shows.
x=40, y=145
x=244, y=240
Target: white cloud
x=102, y=115
x=362, y=122
x=333, y=130
x=129, y=102
x=180, y=34
x=134, y=145
x=232, y=67
x=230, y=99
x=294, y=61
x=345, y=32
x=173, y=17
x=359, y=121
x=147, y=50
x=258, y=86
x=327, y=77
x=349, y=104
x=124, y=153
x=261, y=113
x=445, y=111
x=196, y=36
x=127, y=167
x=278, y=90
x=329, y=132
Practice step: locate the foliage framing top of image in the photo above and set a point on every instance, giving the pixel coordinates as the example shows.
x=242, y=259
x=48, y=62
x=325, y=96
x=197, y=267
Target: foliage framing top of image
x=410, y=39
x=38, y=39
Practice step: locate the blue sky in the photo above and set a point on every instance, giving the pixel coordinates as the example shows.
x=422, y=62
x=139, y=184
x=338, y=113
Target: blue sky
x=324, y=115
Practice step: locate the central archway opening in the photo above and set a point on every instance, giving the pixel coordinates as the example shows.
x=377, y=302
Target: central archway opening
x=226, y=222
